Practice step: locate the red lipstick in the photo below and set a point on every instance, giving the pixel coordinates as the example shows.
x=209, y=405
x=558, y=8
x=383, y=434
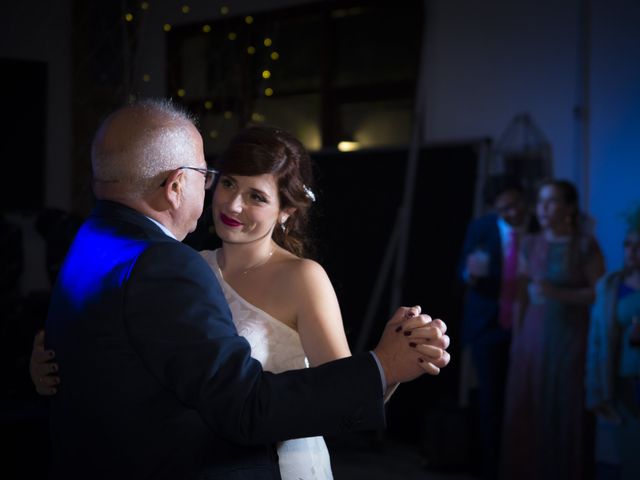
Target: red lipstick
x=230, y=222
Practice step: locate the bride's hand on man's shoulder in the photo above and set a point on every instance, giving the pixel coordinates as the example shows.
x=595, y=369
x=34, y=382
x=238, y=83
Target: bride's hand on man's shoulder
x=42, y=369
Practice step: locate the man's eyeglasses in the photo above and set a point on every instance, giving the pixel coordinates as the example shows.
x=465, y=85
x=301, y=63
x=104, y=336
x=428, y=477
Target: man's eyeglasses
x=209, y=175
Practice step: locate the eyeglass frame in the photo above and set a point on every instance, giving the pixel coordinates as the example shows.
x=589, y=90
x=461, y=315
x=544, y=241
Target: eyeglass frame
x=209, y=175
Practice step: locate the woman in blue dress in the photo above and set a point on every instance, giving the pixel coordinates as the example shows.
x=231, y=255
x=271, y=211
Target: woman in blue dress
x=613, y=363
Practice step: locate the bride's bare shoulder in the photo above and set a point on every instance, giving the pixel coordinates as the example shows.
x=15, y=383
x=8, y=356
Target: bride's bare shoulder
x=300, y=271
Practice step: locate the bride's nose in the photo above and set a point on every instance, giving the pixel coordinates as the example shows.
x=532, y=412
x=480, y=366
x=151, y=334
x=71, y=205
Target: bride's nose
x=236, y=203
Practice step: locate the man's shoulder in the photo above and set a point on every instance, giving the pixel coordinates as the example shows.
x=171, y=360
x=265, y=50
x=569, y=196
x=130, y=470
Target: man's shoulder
x=172, y=251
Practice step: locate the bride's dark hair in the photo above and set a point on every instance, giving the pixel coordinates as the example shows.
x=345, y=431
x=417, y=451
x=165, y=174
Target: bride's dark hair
x=258, y=150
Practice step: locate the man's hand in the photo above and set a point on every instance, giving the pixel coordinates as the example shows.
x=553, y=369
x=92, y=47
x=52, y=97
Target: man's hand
x=411, y=345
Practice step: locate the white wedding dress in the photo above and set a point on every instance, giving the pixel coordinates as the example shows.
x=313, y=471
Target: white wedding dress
x=277, y=346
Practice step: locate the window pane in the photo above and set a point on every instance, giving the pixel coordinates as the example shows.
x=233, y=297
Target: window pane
x=377, y=44
x=376, y=124
x=297, y=114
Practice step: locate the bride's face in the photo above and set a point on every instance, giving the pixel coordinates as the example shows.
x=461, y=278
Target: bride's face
x=246, y=208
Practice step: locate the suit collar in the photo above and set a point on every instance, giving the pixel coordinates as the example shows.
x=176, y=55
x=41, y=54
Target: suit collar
x=107, y=209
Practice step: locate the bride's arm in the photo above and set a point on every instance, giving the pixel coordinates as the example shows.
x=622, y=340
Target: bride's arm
x=318, y=317
x=319, y=320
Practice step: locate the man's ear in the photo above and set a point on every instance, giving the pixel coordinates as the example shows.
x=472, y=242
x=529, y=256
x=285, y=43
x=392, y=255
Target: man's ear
x=173, y=188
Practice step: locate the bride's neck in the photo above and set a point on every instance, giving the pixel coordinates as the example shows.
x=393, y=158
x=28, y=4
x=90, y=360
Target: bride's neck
x=236, y=257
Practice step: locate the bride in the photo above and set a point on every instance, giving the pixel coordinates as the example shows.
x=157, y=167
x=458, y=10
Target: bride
x=283, y=303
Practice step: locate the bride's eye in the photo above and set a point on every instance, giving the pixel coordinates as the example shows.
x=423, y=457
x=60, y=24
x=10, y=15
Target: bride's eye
x=226, y=182
x=256, y=197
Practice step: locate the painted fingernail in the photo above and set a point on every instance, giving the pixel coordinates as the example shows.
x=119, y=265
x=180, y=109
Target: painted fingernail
x=412, y=345
x=399, y=328
x=407, y=333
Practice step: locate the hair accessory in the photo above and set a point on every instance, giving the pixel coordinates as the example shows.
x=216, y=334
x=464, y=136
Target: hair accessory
x=309, y=193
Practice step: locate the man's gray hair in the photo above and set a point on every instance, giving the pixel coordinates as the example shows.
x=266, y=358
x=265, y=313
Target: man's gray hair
x=140, y=143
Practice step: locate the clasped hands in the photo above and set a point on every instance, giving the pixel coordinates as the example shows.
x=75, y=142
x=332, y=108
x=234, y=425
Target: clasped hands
x=412, y=344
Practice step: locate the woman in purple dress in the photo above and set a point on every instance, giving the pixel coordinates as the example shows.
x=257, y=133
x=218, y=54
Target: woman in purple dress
x=546, y=429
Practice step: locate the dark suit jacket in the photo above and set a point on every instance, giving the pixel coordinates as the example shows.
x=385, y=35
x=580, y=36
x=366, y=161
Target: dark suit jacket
x=481, y=305
x=481, y=298
x=156, y=382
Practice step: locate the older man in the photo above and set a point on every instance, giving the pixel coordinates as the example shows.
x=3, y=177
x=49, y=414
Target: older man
x=157, y=383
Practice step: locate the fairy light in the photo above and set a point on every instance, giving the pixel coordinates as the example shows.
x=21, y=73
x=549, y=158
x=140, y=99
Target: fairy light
x=248, y=19
x=185, y=9
x=266, y=74
x=128, y=17
x=228, y=115
x=267, y=42
x=224, y=10
x=251, y=50
x=232, y=36
x=206, y=28
x=208, y=104
x=144, y=5
x=268, y=92
x=181, y=92
x=213, y=134
x=257, y=117
x=166, y=27
x=274, y=56
x=146, y=77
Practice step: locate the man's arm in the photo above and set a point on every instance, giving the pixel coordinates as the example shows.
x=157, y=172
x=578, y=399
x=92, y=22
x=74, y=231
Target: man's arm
x=181, y=327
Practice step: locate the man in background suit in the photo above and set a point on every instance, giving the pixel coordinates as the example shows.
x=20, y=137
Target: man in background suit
x=157, y=382
x=488, y=267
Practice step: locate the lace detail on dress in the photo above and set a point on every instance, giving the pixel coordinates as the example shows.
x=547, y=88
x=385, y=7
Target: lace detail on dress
x=278, y=348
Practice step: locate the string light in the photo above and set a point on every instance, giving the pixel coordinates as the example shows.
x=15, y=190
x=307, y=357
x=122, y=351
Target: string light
x=248, y=19
x=146, y=77
x=144, y=5
x=267, y=42
x=181, y=92
x=206, y=28
x=228, y=114
x=251, y=50
x=213, y=134
x=208, y=104
x=266, y=74
x=128, y=17
x=274, y=56
x=166, y=27
x=232, y=36
x=224, y=10
x=268, y=92
x=185, y=9
x=257, y=117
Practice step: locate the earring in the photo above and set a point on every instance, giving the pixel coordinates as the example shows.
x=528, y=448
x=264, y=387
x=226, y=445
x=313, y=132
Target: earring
x=283, y=220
